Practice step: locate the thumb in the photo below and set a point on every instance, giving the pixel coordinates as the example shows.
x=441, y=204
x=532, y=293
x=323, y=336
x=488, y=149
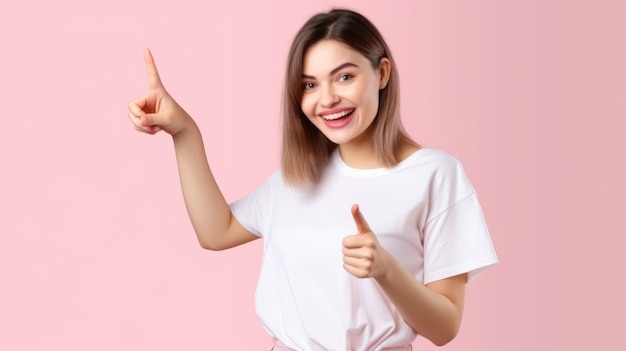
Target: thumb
x=361, y=224
x=154, y=80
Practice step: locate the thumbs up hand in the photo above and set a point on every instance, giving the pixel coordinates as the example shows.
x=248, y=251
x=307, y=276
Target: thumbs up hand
x=156, y=110
x=363, y=256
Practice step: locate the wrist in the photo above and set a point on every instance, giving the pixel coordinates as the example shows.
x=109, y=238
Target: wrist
x=390, y=264
x=189, y=129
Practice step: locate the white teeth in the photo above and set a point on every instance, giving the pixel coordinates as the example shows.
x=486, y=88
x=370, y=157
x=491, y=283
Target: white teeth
x=337, y=115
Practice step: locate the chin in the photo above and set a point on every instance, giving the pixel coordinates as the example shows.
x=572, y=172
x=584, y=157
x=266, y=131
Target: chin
x=343, y=137
x=335, y=139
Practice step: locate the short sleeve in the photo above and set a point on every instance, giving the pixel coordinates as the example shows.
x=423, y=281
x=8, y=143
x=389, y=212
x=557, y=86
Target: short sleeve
x=456, y=237
x=254, y=211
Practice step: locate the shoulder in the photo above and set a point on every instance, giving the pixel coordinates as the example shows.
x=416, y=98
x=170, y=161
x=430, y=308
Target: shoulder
x=267, y=187
x=275, y=181
x=434, y=161
x=446, y=176
x=438, y=157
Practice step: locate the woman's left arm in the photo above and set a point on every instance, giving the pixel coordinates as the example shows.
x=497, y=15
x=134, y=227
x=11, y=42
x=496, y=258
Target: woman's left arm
x=434, y=310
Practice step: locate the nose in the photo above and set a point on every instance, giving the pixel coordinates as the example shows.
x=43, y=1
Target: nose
x=328, y=97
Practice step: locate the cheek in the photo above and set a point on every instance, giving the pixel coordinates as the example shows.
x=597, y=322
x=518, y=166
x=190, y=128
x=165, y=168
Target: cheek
x=366, y=101
x=307, y=105
x=365, y=94
x=373, y=95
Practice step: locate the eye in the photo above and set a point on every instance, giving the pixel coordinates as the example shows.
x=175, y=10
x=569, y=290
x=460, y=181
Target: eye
x=345, y=77
x=308, y=85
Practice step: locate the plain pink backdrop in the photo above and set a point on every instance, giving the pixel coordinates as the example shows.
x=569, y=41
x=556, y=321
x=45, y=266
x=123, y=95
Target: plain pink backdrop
x=97, y=253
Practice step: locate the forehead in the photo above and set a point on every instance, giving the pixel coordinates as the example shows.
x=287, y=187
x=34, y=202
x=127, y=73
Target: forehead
x=325, y=55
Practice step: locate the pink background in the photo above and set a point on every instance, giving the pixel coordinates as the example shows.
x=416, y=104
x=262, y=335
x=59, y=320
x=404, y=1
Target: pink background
x=97, y=253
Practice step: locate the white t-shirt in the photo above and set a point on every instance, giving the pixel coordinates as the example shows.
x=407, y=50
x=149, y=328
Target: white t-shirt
x=424, y=211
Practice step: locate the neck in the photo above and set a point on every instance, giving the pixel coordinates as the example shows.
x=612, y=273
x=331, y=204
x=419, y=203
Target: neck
x=362, y=155
x=359, y=156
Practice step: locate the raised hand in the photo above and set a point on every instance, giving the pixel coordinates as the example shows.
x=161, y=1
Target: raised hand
x=156, y=110
x=363, y=256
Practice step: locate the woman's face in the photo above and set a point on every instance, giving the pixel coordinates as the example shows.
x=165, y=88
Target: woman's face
x=340, y=91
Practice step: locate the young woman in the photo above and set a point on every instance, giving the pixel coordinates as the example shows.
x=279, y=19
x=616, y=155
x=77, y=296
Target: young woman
x=330, y=279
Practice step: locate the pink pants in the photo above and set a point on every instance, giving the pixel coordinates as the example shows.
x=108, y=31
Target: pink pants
x=276, y=345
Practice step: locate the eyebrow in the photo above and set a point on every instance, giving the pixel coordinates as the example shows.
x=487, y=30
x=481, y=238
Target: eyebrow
x=335, y=70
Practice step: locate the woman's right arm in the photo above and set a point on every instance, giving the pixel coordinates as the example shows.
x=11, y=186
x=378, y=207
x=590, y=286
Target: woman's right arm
x=212, y=220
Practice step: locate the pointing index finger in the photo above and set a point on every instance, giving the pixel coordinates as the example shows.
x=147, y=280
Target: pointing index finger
x=359, y=220
x=154, y=80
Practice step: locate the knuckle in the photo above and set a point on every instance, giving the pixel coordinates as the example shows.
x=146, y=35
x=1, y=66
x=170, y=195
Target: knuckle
x=347, y=268
x=135, y=122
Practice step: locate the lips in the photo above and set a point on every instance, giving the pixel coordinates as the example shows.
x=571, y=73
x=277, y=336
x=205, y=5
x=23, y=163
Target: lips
x=337, y=118
x=335, y=115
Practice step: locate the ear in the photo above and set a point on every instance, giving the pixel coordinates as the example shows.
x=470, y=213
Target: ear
x=384, y=71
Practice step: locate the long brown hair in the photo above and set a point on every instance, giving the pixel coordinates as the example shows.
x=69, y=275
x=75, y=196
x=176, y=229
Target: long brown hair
x=305, y=150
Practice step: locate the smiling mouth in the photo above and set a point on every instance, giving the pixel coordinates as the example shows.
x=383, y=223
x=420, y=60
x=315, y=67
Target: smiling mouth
x=338, y=115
